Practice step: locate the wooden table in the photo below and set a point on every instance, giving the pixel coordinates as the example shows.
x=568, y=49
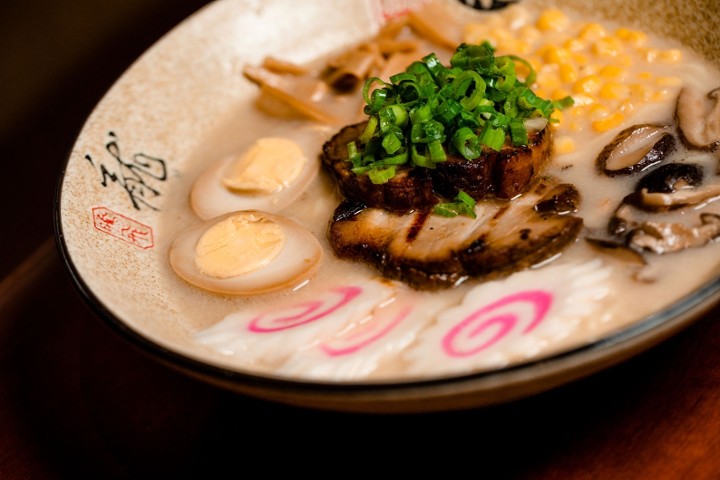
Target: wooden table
x=78, y=401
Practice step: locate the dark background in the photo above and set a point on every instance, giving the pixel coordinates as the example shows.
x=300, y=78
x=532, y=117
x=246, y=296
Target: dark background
x=77, y=401
x=57, y=59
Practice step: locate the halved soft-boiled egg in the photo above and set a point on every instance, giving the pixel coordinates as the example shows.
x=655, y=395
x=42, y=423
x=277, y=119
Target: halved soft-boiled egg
x=269, y=175
x=245, y=252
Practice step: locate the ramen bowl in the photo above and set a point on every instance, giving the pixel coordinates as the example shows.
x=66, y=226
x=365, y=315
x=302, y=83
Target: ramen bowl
x=336, y=335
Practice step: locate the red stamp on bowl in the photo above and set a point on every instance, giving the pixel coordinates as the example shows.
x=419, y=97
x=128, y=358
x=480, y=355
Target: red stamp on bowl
x=122, y=227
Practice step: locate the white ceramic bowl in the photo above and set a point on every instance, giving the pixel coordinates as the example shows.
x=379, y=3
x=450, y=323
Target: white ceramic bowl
x=123, y=197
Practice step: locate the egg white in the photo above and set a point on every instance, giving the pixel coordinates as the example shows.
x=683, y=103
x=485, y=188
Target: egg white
x=299, y=257
x=210, y=198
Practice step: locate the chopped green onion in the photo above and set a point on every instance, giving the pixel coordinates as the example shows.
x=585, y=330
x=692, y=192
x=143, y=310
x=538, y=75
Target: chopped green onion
x=391, y=143
x=518, y=133
x=532, y=75
x=448, y=110
x=506, y=83
x=464, y=204
x=392, y=116
x=381, y=175
x=437, y=152
x=430, y=111
x=466, y=143
x=433, y=64
x=353, y=154
x=369, y=131
x=399, y=159
x=493, y=137
x=563, y=103
x=421, y=114
x=419, y=159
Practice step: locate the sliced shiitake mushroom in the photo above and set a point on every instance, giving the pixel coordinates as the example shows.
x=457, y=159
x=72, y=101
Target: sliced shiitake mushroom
x=666, y=237
x=671, y=186
x=681, y=198
x=698, y=118
x=635, y=149
x=622, y=220
x=671, y=177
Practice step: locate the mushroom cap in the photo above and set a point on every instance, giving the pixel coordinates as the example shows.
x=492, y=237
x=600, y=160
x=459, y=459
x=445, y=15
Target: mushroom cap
x=670, y=177
x=635, y=149
x=698, y=118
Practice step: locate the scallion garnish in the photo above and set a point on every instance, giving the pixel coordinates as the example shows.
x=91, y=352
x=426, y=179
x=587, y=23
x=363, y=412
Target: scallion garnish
x=476, y=102
x=464, y=204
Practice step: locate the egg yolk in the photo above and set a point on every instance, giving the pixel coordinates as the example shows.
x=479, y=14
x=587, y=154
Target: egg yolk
x=237, y=245
x=270, y=165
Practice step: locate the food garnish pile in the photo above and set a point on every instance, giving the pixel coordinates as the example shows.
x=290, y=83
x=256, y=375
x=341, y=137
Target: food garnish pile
x=430, y=111
x=446, y=176
x=438, y=140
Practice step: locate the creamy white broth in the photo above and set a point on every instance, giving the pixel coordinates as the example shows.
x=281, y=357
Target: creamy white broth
x=621, y=297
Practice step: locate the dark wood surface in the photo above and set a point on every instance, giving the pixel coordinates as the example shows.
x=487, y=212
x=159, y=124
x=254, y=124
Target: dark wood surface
x=78, y=401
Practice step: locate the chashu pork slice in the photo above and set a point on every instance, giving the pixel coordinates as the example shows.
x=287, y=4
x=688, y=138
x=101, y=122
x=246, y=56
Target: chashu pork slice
x=410, y=188
x=500, y=174
x=428, y=251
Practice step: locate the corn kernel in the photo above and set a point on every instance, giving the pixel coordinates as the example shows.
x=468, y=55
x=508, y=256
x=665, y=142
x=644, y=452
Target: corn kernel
x=582, y=100
x=552, y=20
x=627, y=107
x=614, y=91
x=611, y=71
x=529, y=33
x=522, y=70
x=633, y=37
x=558, y=94
x=598, y=111
x=568, y=74
x=592, y=32
x=671, y=56
x=535, y=61
x=499, y=33
x=580, y=58
x=576, y=126
x=574, y=45
x=659, y=95
x=611, y=121
x=555, y=55
x=564, y=144
x=668, y=81
x=607, y=47
x=522, y=47
x=540, y=92
x=577, y=112
x=624, y=60
x=548, y=79
x=558, y=117
x=641, y=92
x=644, y=76
x=589, y=84
x=508, y=46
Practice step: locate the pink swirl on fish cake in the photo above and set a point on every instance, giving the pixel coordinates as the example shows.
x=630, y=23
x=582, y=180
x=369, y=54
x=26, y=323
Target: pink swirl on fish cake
x=468, y=328
x=365, y=335
x=275, y=321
